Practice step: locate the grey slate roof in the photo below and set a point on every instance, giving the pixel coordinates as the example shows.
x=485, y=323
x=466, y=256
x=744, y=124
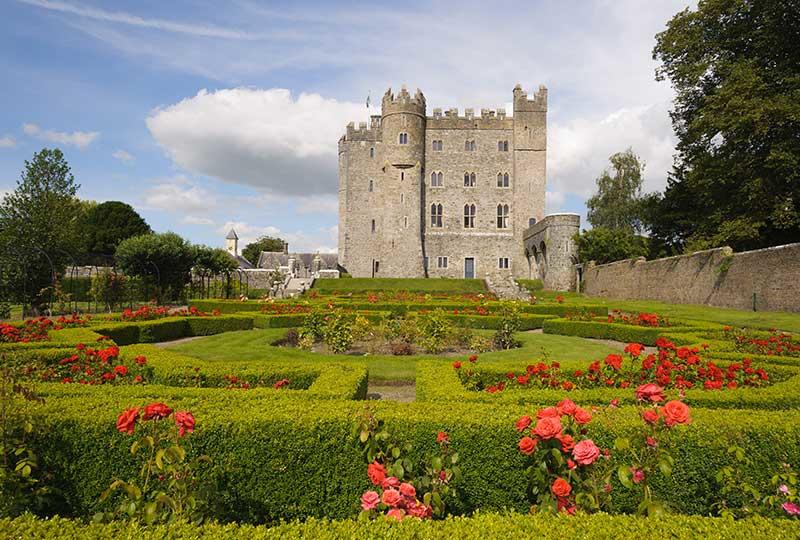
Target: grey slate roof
x=274, y=259
x=232, y=235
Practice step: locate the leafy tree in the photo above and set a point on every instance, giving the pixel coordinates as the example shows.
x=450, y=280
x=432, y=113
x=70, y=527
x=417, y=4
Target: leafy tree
x=213, y=260
x=252, y=251
x=604, y=245
x=618, y=201
x=38, y=221
x=164, y=260
x=109, y=223
x=735, y=66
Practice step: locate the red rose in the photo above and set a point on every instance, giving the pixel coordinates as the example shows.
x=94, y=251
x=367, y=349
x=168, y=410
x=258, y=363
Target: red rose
x=523, y=423
x=650, y=392
x=586, y=452
x=634, y=349
x=567, y=442
x=457, y=364
x=391, y=497
x=442, y=437
x=473, y=358
x=127, y=421
x=527, y=445
x=547, y=428
x=407, y=490
x=185, y=422
x=561, y=488
x=376, y=473
x=390, y=482
x=567, y=406
x=548, y=412
x=121, y=370
x=650, y=416
x=582, y=416
x=156, y=411
x=615, y=361
x=676, y=412
x=140, y=360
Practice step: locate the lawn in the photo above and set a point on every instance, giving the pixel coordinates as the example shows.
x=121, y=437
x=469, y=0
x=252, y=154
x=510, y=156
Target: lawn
x=255, y=345
x=362, y=285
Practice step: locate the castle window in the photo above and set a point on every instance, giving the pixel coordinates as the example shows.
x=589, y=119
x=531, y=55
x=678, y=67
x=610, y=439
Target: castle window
x=372, y=152
x=441, y=262
x=469, y=179
x=503, y=180
x=502, y=216
x=403, y=138
x=469, y=216
x=502, y=262
x=405, y=222
x=402, y=176
x=371, y=185
x=436, y=179
x=502, y=146
x=470, y=146
x=402, y=198
x=437, y=146
x=373, y=225
x=436, y=215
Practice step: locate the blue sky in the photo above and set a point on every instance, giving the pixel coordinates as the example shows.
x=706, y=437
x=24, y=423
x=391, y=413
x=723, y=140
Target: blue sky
x=206, y=115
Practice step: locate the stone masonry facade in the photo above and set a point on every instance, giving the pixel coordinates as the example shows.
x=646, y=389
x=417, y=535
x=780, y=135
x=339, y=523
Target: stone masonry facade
x=445, y=195
x=761, y=280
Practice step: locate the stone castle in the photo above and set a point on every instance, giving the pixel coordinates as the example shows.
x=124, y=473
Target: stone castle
x=451, y=196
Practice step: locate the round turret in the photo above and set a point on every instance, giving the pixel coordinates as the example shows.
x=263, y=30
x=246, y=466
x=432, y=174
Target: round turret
x=403, y=127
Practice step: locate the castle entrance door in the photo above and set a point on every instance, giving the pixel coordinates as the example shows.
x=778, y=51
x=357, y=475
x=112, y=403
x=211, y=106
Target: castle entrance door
x=469, y=268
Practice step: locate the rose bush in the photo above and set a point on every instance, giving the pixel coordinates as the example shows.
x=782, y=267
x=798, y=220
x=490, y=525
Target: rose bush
x=89, y=365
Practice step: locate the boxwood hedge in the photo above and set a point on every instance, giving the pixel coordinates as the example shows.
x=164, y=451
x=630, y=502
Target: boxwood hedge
x=171, y=328
x=286, y=458
x=478, y=527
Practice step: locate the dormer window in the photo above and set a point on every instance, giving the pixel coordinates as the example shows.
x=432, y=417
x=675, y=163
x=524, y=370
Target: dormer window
x=403, y=139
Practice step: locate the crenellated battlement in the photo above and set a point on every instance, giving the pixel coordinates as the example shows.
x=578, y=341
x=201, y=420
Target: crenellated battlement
x=364, y=131
x=524, y=104
x=488, y=119
x=403, y=102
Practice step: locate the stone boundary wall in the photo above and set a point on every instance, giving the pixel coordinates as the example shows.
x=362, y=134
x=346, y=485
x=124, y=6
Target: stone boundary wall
x=716, y=277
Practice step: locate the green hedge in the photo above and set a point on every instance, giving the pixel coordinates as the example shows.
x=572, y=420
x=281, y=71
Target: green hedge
x=286, y=458
x=439, y=381
x=66, y=338
x=171, y=328
x=327, y=380
x=478, y=527
x=491, y=322
x=615, y=331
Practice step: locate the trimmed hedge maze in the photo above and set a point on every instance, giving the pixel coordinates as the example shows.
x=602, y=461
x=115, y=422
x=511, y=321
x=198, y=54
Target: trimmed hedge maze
x=291, y=453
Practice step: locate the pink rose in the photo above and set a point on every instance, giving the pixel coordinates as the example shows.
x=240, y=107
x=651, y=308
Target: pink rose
x=396, y=513
x=376, y=473
x=586, y=452
x=567, y=406
x=419, y=510
x=547, y=428
x=523, y=423
x=650, y=392
x=408, y=490
x=390, y=482
x=391, y=497
x=370, y=500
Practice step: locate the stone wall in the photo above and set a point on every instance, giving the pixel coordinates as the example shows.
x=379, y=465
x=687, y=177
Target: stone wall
x=551, y=252
x=717, y=277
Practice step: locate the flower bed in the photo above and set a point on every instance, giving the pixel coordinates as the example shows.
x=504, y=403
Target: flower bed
x=601, y=329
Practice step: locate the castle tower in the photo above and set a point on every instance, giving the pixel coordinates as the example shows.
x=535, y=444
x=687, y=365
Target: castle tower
x=232, y=243
x=401, y=220
x=530, y=158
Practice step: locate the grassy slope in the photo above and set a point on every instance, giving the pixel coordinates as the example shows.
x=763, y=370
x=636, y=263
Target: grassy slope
x=254, y=344
x=390, y=284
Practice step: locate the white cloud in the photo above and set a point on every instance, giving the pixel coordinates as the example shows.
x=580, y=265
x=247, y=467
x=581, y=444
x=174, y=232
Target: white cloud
x=196, y=220
x=179, y=195
x=123, y=156
x=553, y=200
x=8, y=141
x=323, y=239
x=324, y=204
x=579, y=150
x=262, y=138
x=79, y=139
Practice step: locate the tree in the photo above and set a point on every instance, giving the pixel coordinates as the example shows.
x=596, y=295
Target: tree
x=38, y=227
x=164, y=260
x=252, y=251
x=604, y=245
x=109, y=223
x=209, y=260
x=735, y=67
x=618, y=201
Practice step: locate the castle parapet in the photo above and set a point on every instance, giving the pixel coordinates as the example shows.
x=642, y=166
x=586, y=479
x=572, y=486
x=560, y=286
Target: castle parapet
x=488, y=119
x=523, y=104
x=363, y=132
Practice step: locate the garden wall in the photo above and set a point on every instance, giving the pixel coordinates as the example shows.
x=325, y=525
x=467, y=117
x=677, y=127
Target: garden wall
x=716, y=277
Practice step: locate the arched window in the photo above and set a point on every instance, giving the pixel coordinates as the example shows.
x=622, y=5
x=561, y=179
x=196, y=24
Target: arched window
x=436, y=179
x=502, y=146
x=502, y=216
x=466, y=145
x=405, y=222
x=472, y=146
x=469, y=179
x=402, y=198
x=469, y=216
x=439, y=179
x=403, y=138
x=436, y=215
x=437, y=146
x=371, y=185
x=502, y=180
x=373, y=225
x=372, y=152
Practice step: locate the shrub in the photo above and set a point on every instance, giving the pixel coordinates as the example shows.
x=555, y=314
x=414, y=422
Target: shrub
x=401, y=348
x=509, y=325
x=434, y=331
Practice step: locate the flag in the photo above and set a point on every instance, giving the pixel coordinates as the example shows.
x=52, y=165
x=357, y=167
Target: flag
x=368, y=100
